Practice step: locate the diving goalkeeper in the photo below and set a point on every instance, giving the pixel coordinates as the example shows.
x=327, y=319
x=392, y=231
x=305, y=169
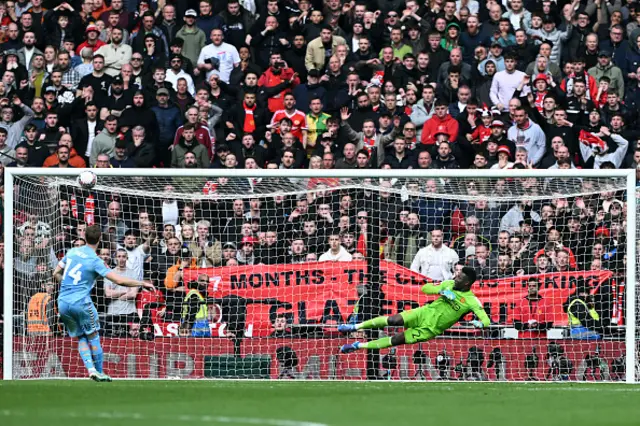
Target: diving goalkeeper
x=429, y=321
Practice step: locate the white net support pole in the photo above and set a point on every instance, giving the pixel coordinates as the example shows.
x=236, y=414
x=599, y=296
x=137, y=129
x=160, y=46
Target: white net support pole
x=632, y=278
x=7, y=356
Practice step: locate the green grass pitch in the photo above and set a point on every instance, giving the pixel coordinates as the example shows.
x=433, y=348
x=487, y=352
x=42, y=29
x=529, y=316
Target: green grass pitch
x=177, y=403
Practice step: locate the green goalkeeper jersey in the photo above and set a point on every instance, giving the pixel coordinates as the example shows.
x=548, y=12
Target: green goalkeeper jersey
x=443, y=313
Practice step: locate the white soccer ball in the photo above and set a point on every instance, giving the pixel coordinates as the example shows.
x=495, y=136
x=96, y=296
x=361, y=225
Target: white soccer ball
x=87, y=179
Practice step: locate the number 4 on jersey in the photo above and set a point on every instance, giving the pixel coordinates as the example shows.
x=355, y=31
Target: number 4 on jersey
x=74, y=272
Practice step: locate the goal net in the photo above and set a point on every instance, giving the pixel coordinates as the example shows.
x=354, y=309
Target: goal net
x=253, y=274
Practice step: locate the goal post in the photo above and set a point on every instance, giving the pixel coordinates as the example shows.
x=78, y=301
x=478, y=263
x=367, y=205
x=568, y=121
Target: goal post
x=273, y=311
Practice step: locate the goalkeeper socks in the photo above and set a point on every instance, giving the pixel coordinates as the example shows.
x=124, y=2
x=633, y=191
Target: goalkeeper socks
x=85, y=354
x=96, y=352
x=379, y=322
x=383, y=343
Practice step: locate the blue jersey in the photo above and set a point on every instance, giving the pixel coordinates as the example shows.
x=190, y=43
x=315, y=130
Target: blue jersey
x=81, y=268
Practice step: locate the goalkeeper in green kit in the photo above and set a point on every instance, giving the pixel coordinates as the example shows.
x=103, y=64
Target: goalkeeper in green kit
x=429, y=321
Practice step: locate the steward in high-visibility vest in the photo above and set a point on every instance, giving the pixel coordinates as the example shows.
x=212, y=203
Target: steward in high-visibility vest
x=195, y=313
x=40, y=315
x=584, y=320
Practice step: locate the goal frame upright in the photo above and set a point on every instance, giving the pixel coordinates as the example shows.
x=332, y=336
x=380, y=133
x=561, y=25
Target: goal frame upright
x=630, y=187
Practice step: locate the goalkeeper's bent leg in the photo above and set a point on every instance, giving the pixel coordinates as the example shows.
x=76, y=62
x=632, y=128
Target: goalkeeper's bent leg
x=385, y=342
x=381, y=322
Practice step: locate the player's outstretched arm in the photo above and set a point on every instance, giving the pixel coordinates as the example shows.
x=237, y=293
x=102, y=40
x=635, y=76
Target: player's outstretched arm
x=57, y=274
x=482, y=315
x=431, y=289
x=442, y=289
x=127, y=282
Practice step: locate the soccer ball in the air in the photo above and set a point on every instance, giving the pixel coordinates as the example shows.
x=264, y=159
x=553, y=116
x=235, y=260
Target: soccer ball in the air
x=87, y=179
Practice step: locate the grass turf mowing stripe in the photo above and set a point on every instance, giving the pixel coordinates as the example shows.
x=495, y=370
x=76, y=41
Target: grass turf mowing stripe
x=143, y=403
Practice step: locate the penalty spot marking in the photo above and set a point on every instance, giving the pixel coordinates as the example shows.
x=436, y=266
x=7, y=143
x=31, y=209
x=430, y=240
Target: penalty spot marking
x=181, y=418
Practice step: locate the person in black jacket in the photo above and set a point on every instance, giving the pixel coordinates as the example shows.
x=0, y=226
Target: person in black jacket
x=84, y=129
x=295, y=55
x=38, y=150
x=248, y=148
x=271, y=39
x=140, y=150
x=248, y=117
x=140, y=114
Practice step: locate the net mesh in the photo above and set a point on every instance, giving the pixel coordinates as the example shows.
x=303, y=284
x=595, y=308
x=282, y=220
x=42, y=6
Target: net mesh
x=278, y=263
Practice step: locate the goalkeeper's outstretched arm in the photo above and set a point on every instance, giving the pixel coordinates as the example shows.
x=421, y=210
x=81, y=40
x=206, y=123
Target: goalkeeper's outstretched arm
x=430, y=288
x=482, y=316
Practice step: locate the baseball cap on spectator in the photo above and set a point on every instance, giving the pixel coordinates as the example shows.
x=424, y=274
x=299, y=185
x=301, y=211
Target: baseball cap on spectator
x=497, y=123
x=579, y=79
x=603, y=231
x=10, y=52
x=505, y=149
x=191, y=12
x=314, y=73
x=121, y=143
x=540, y=76
x=117, y=80
x=248, y=240
x=162, y=92
x=470, y=251
x=496, y=43
x=412, y=24
x=185, y=252
x=230, y=245
x=50, y=89
x=175, y=56
x=91, y=27
x=441, y=130
x=602, y=53
x=385, y=113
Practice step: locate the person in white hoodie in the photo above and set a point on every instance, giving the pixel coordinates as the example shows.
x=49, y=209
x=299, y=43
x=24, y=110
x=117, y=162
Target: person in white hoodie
x=505, y=83
x=527, y=134
x=336, y=252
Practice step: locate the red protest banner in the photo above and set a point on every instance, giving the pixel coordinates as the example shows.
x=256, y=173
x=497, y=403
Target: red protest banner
x=326, y=292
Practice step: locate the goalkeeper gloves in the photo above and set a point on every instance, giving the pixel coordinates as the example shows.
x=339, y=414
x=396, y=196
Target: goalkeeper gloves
x=477, y=324
x=448, y=294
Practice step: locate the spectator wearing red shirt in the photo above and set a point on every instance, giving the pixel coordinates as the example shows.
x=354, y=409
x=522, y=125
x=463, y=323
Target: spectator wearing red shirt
x=441, y=119
x=278, y=75
x=297, y=117
x=531, y=316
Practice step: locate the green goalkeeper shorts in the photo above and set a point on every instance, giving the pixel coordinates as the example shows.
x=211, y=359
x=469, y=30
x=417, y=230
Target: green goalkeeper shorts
x=415, y=325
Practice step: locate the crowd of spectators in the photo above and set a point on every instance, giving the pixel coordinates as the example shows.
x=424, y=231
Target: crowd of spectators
x=288, y=84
